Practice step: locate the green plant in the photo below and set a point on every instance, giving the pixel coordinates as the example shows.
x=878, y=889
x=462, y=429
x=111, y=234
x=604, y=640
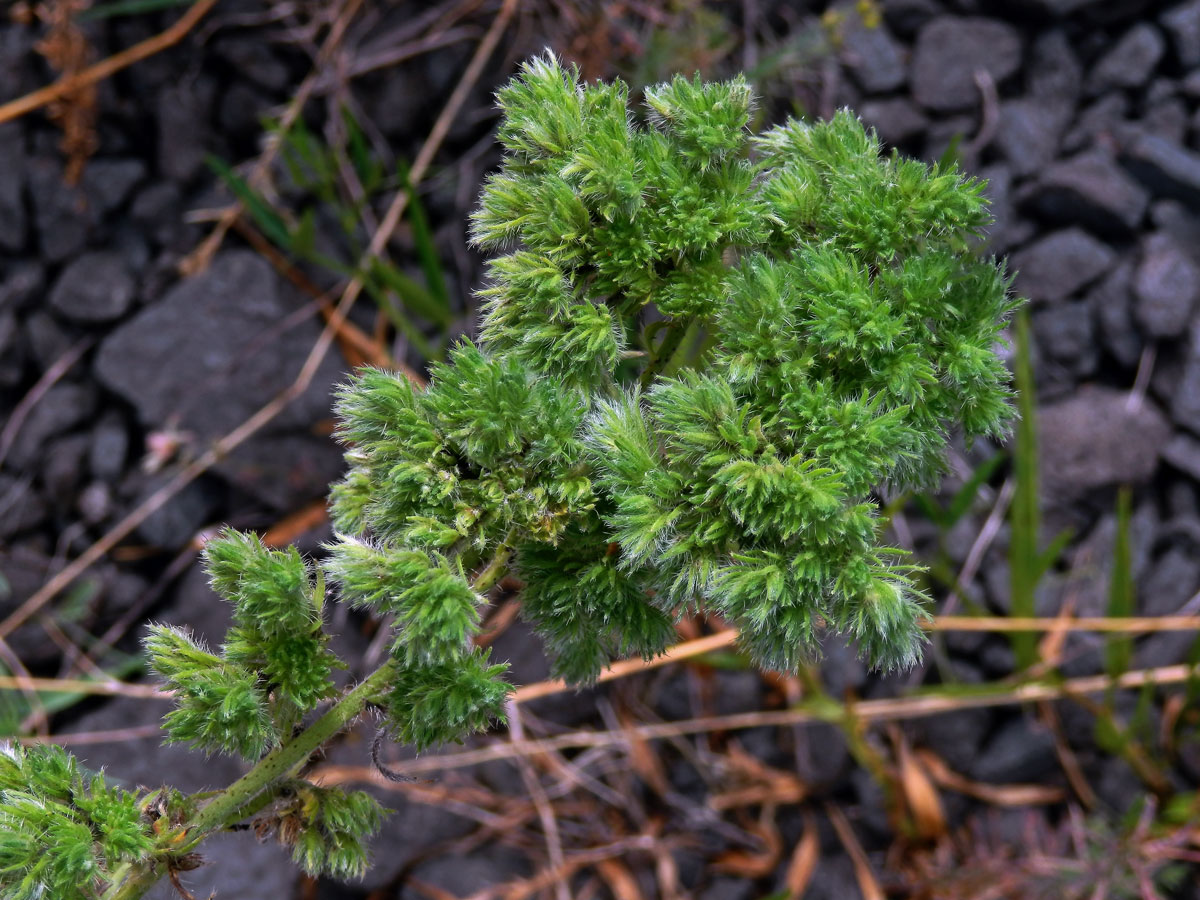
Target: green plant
x=699, y=354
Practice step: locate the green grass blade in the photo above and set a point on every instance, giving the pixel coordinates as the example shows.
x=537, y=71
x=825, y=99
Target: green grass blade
x=1118, y=650
x=269, y=222
x=427, y=256
x=964, y=497
x=415, y=297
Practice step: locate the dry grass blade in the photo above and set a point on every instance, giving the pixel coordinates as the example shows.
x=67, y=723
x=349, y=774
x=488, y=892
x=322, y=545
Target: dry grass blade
x=1130, y=625
x=996, y=794
x=1066, y=756
x=804, y=859
x=291, y=526
x=82, y=686
x=49, y=378
x=921, y=798
x=528, y=887
x=1054, y=624
x=867, y=883
x=619, y=879
x=541, y=802
x=71, y=84
x=748, y=864
x=882, y=710
x=110, y=736
x=624, y=668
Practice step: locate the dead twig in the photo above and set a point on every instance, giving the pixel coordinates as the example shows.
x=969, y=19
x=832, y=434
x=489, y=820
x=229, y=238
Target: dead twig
x=50, y=377
x=881, y=710
x=71, y=84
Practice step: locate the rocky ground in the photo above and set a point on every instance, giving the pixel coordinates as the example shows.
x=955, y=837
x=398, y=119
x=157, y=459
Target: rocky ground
x=116, y=373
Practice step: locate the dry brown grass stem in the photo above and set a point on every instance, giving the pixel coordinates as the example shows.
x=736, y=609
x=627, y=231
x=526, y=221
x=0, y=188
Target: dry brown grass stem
x=225, y=445
x=111, y=688
x=109, y=736
x=49, y=378
x=722, y=639
x=882, y=710
x=64, y=87
x=1122, y=625
x=626, y=667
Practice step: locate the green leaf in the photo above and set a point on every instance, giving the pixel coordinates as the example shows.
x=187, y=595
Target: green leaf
x=272, y=225
x=431, y=265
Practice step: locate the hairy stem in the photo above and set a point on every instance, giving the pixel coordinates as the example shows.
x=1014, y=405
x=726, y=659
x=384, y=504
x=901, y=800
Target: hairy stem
x=247, y=794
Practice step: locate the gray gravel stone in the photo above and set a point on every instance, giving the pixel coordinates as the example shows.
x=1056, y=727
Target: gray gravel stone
x=1029, y=133
x=1112, y=301
x=12, y=354
x=895, y=119
x=1168, y=169
x=729, y=889
x=25, y=570
x=1094, y=439
x=1089, y=190
x=1171, y=582
x=1059, y=264
x=180, y=518
x=1067, y=333
x=1020, y=752
x=1168, y=119
x=1054, y=75
x=461, y=876
x=1098, y=123
x=183, y=131
x=875, y=59
x=905, y=17
x=1185, y=399
x=280, y=469
x=94, y=287
x=21, y=508
x=1182, y=24
x=1165, y=285
x=1183, y=452
x=65, y=406
x=949, y=51
x=21, y=284
x=95, y=503
x=156, y=210
x=212, y=351
x=62, y=467
x=254, y=61
x=62, y=230
x=1006, y=230
x=47, y=339
x=1130, y=62
x=110, y=448
x=14, y=225
x=107, y=184
x=210, y=354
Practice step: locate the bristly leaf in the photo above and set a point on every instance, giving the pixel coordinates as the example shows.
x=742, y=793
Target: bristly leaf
x=434, y=704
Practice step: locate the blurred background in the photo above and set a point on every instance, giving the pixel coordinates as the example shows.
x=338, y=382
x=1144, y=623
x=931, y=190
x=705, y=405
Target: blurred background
x=245, y=199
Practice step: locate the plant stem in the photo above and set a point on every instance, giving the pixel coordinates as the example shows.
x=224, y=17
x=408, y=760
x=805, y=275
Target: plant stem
x=248, y=793
x=662, y=354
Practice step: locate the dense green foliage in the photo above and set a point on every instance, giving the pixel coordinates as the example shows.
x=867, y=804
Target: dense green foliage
x=701, y=353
